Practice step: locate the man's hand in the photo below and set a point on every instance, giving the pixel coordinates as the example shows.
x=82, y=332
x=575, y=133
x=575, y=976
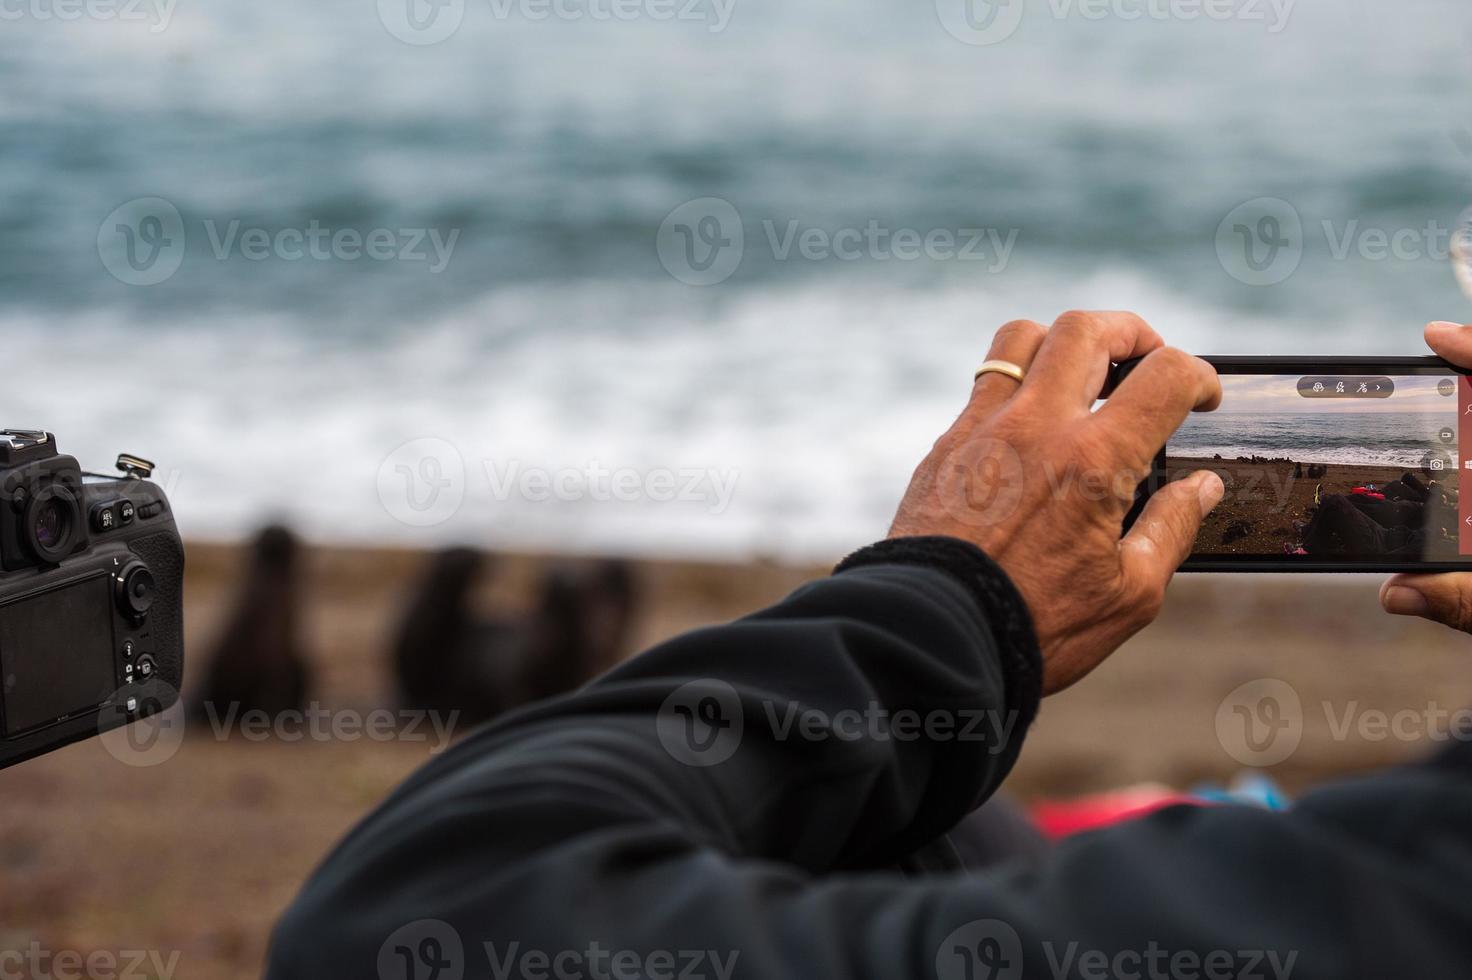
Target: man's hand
x=1042, y=484
x=1443, y=598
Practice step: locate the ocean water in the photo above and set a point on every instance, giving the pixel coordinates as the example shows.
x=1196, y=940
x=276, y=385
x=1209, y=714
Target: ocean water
x=548, y=381
x=1374, y=439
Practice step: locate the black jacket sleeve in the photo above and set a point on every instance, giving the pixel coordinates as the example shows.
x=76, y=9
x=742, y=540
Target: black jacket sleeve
x=728, y=804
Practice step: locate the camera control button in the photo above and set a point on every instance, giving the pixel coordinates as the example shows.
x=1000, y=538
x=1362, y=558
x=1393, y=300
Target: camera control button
x=125, y=512
x=104, y=517
x=128, y=650
x=152, y=509
x=146, y=667
x=135, y=588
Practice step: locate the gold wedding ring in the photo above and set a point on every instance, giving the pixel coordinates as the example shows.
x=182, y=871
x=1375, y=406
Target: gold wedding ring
x=1001, y=367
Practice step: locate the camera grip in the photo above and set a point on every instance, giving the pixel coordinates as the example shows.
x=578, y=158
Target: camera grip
x=163, y=553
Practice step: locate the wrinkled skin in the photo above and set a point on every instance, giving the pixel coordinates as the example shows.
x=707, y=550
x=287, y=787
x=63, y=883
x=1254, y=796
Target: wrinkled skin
x=1042, y=483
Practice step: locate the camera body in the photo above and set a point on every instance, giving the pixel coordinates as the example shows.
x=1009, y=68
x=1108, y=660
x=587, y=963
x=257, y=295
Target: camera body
x=91, y=598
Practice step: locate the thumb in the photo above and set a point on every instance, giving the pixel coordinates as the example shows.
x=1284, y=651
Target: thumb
x=1451, y=340
x=1162, y=537
x=1445, y=599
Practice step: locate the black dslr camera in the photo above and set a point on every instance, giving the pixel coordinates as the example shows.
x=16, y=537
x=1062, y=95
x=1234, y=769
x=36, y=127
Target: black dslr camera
x=91, y=597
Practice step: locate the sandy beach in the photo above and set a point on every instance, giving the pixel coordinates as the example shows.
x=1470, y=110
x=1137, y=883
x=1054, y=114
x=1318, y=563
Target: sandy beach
x=1266, y=504
x=198, y=855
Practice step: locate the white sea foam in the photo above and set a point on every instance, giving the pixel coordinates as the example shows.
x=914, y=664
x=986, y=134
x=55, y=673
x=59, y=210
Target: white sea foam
x=814, y=402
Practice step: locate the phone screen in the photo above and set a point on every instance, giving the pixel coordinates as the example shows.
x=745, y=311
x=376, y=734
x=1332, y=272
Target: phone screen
x=1334, y=467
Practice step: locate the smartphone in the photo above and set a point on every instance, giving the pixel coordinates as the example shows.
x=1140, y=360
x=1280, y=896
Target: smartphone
x=1331, y=464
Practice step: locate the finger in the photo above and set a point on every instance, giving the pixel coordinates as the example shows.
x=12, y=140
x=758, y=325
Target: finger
x=1150, y=405
x=1017, y=342
x=1451, y=341
x=1445, y=599
x=1162, y=536
x=1073, y=362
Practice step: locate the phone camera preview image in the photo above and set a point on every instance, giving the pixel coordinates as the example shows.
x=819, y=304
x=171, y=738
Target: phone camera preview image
x=1334, y=468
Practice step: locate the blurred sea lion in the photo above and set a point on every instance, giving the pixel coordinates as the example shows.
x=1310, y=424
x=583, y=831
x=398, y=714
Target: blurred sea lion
x=259, y=663
x=448, y=658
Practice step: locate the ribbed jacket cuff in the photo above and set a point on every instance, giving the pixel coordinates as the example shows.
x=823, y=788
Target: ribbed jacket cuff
x=1001, y=606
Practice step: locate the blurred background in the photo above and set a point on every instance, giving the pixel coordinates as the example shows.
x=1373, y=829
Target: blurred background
x=690, y=283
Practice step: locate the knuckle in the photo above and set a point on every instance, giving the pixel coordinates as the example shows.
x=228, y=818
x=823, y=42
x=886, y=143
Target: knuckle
x=1134, y=318
x=1463, y=611
x=942, y=448
x=1016, y=332
x=1080, y=322
x=1175, y=362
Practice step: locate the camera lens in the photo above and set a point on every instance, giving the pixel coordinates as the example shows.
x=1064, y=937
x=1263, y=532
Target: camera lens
x=50, y=525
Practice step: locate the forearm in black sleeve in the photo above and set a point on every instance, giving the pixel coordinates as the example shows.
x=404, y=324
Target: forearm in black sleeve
x=572, y=828
x=872, y=709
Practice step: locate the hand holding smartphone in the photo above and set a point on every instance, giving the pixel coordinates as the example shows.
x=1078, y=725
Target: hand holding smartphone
x=1344, y=464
